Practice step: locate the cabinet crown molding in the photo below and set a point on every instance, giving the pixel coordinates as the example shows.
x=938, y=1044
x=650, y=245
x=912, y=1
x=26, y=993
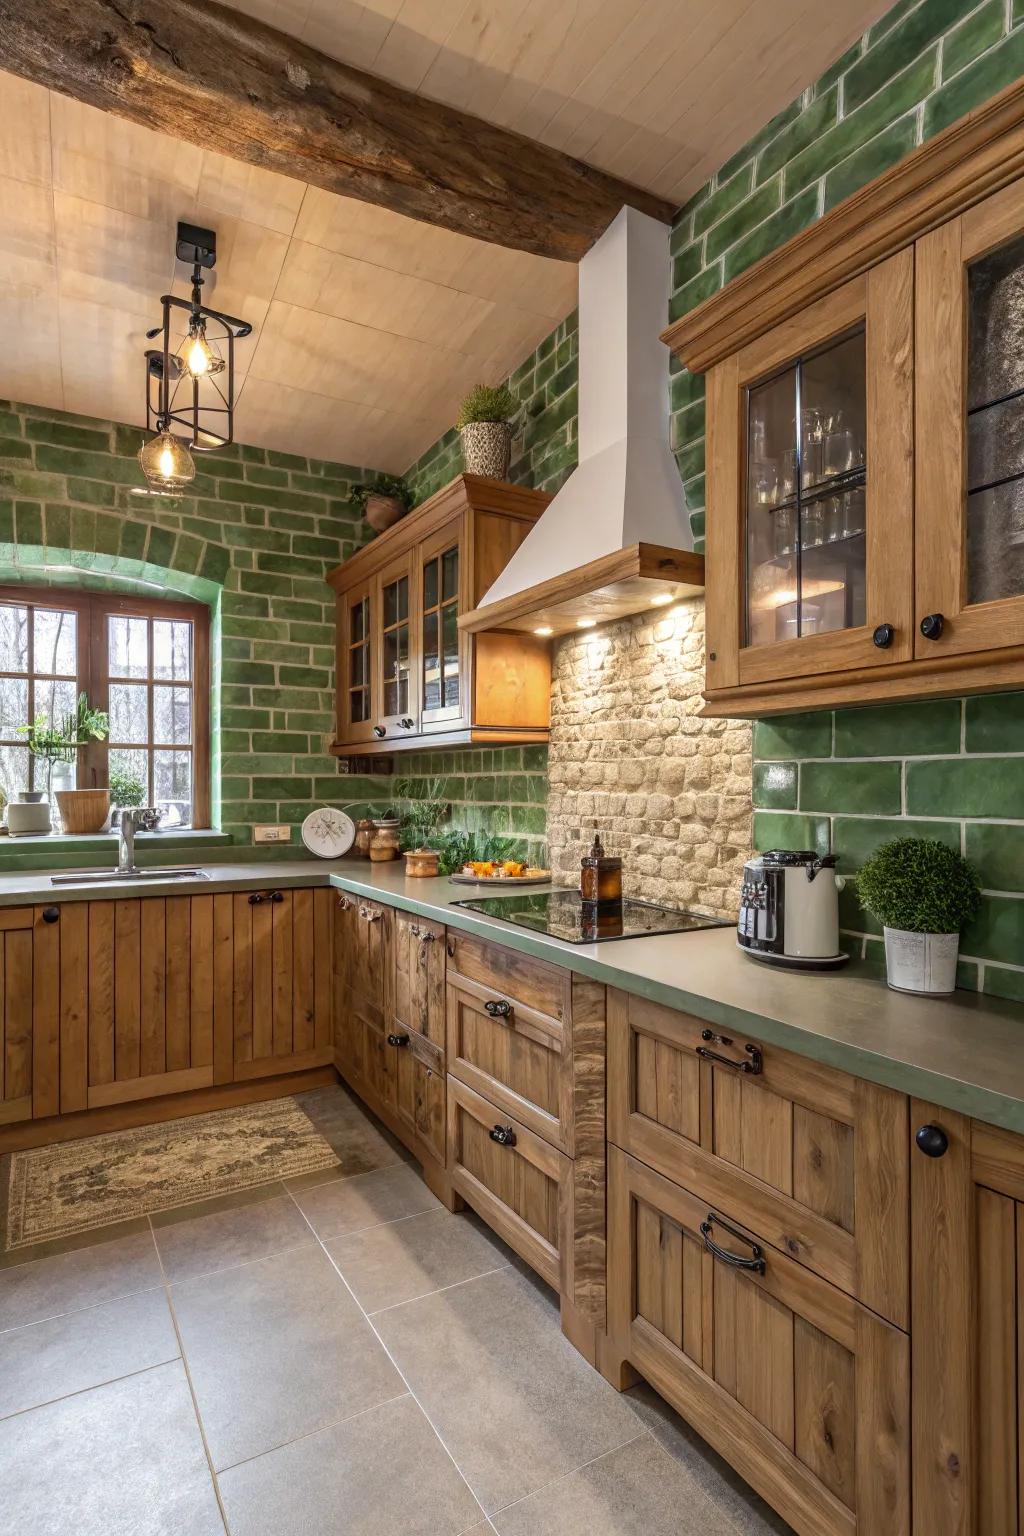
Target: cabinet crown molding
x=966, y=162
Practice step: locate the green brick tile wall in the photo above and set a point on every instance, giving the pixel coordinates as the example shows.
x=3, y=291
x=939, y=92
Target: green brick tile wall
x=253, y=538
x=953, y=769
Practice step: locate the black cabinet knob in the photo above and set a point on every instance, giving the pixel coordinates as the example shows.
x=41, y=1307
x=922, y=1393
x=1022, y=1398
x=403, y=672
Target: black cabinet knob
x=398, y=1040
x=932, y=625
x=883, y=636
x=51, y=914
x=932, y=1141
x=502, y=1010
x=504, y=1135
x=406, y=722
x=275, y=896
x=254, y=898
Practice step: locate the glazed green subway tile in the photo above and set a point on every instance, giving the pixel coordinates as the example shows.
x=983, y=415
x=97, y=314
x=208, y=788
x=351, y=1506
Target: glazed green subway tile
x=687, y=265
x=997, y=933
x=853, y=917
x=792, y=217
x=729, y=191
x=872, y=788
x=775, y=786
x=899, y=730
x=899, y=96
x=793, y=736
x=695, y=292
x=991, y=786
x=980, y=80
x=900, y=47
x=997, y=851
x=973, y=37
x=744, y=218
x=855, y=838
x=968, y=975
x=807, y=127
x=994, y=722
x=1001, y=981
x=874, y=157
x=776, y=829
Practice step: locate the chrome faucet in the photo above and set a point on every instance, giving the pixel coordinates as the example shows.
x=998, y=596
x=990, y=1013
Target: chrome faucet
x=133, y=819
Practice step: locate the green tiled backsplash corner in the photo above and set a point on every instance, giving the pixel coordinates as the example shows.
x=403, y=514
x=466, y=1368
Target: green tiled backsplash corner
x=953, y=769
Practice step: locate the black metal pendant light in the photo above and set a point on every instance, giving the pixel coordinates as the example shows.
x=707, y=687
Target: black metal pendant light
x=190, y=378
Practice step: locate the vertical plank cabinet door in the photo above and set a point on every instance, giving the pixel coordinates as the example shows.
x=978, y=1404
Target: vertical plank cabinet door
x=362, y=937
x=280, y=981
x=416, y=1030
x=16, y=979
x=815, y=1160
x=419, y=976
x=419, y=1090
x=803, y=1390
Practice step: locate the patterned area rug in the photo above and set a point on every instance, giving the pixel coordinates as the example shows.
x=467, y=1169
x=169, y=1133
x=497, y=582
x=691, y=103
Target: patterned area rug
x=57, y=1191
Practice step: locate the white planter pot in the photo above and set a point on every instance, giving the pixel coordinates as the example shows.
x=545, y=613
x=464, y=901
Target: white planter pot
x=921, y=962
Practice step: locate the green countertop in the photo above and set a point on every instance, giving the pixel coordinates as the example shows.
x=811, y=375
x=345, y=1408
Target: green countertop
x=964, y=1052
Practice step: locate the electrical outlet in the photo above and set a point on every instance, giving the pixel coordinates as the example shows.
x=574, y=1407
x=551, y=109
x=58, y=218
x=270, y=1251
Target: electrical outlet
x=271, y=834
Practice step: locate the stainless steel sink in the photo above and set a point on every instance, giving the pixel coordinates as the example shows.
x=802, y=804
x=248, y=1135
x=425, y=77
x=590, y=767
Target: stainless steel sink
x=108, y=876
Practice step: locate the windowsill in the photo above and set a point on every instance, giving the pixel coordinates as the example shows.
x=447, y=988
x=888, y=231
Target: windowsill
x=72, y=850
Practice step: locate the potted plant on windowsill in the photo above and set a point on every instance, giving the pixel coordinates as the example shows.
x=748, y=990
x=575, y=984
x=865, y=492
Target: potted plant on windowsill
x=486, y=422
x=126, y=791
x=383, y=501
x=81, y=810
x=922, y=892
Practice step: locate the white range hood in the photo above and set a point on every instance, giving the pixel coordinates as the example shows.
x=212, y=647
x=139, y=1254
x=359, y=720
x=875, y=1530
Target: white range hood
x=624, y=501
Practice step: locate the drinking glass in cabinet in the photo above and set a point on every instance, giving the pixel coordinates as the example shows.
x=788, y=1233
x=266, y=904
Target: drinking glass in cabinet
x=812, y=527
x=995, y=425
x=841, y=453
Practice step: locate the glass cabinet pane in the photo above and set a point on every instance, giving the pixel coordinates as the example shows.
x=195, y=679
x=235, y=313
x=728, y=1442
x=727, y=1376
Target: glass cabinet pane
x=995, y=425
x=395, y=667
x=440, y=657
x=359, y=660
x=806, y=475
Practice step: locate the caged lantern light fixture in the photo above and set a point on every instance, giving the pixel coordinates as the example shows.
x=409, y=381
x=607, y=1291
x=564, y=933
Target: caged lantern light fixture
x=190, y=377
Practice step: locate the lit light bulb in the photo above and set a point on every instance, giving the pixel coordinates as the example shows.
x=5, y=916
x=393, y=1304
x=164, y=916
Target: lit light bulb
x=585, y=623
x=544, y=629
x=200, y=358
x=166, y=462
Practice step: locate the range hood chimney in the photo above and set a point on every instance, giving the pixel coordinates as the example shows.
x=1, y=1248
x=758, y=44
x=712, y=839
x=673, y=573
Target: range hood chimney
x=620, y=520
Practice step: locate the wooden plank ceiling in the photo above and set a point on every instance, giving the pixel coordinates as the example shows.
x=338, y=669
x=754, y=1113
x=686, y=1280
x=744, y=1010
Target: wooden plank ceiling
x=369, y=326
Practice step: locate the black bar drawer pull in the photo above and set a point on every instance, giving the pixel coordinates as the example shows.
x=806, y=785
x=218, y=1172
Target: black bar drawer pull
x=737, y=1261
x=504, y=1135
x=398, y=1039
x=754, y=1066
x=499, y=1010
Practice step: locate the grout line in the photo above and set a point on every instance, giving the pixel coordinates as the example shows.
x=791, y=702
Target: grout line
x=90, y=1306
x=308, y=1434
x=226, y=1269
x=96, y=1386
x=643, y=1432
x=401, y=1373
x=454, y=1286
x=191, y=1388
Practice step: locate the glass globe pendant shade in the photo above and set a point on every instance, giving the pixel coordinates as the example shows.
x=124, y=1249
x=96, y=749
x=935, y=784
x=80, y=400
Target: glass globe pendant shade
x=166, y=462
x=200, y=359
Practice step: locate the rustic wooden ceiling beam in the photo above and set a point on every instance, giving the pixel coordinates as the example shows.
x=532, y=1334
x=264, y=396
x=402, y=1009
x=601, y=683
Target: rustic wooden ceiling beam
x=201, y=72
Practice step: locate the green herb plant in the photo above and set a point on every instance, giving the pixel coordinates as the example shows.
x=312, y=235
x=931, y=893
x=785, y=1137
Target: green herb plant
x=421, y=806
x=58, y=742
x=126, y=788
x=487, y=403
x=919, y=885
x=380, y=485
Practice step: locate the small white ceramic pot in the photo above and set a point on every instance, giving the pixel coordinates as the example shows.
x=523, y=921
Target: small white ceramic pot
x=921, y=962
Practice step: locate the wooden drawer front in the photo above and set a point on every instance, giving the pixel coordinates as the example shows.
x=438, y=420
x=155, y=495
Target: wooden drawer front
x=803, y=1390
x=505, y=973
x=419, y=1091
x=519, y=1059
x=419, y=976
x=813, y=1158
x=522, y=1190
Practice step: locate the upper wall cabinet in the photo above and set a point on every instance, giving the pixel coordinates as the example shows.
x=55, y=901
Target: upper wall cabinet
x=407, y=676
x=865, y=440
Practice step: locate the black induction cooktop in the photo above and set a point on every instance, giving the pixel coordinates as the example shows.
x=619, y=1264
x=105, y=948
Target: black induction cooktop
x=564, y=915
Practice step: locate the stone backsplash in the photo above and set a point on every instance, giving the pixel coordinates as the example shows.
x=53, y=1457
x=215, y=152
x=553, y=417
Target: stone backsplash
x=670, y=792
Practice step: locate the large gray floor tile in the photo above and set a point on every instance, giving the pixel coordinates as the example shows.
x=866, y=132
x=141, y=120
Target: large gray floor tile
x=48, y=1287
x=361, y=1142
x=510, y=1397
x=389, y=1264
x=226, y=1238
x=750, y=1515
x=638, y=1490
x=366, y=1200
x=67, y=1354
x=276, y=1350
x=123, y=1460
x=384, y=1473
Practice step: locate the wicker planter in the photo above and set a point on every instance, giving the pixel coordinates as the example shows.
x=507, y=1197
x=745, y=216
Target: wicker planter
x=83, y=810
x=384, y=512
x=487, y=448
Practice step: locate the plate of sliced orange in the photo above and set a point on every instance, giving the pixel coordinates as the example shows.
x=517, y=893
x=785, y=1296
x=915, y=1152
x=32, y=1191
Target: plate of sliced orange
x=500, y=872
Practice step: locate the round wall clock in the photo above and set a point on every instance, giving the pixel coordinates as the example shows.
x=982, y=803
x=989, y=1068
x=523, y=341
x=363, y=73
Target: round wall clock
x=328, y=833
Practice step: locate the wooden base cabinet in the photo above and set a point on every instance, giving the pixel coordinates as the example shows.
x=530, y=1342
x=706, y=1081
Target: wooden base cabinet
x=803, y=1390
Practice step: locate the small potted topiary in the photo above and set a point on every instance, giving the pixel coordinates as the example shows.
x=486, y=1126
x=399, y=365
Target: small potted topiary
x=383, y=501
x=922, y=892
x=485, y=423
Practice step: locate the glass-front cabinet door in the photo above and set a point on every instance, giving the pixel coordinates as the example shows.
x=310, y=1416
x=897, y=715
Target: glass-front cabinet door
x=970, y=430
x=809, y=546
x=442, y=659
x=356, y=661
x=397, y=710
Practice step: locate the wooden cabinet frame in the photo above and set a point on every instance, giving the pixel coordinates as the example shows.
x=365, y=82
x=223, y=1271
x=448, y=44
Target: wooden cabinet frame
x=402, y=567
x=357, y=730
x=446, y=717
x=882, y=300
